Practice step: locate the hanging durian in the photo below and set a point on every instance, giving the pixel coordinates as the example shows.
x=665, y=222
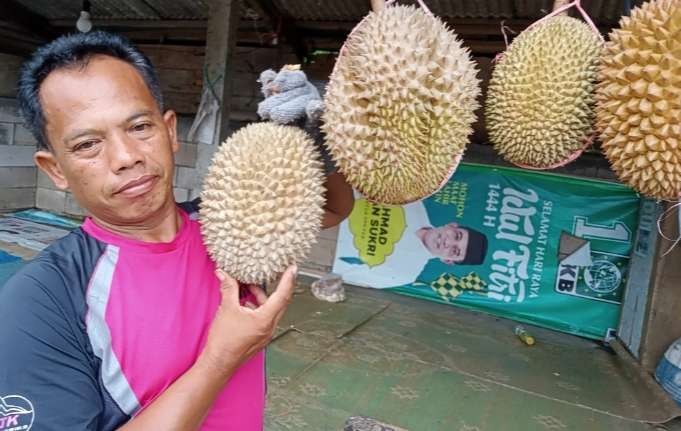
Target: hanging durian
x=639, y=99
x=540, y=102
x=399, y=105
x=262, y=199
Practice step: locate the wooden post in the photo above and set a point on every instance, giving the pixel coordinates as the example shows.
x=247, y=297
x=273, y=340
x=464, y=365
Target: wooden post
x=212, y=120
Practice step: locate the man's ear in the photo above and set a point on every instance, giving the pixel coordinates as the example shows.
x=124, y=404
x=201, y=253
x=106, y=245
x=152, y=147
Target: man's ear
x=170, y=120
x=421, y=233
x=47, y=163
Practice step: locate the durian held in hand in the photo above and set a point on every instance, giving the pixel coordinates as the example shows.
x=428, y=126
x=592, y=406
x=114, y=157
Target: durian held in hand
x=399, y=106
x=639, y=99
x=262, y=199
x=540, y=101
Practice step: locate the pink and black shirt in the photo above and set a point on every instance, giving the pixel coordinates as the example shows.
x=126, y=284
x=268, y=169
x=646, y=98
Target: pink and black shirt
x=98, y=326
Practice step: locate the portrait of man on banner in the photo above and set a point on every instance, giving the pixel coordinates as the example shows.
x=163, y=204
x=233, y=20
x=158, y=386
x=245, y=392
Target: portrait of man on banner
x=410, y=242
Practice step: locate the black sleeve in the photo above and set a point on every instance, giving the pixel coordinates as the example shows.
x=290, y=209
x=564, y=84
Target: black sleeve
x=46, y=376
x=329, y=165
x=191, y=207
x=314, y=130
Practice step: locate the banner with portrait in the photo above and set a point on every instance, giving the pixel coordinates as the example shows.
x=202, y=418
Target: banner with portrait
x=541, y=248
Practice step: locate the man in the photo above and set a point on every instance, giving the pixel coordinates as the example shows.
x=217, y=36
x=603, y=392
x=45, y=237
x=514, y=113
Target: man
x=124, y=324
x=420, y=243
x=454, y=244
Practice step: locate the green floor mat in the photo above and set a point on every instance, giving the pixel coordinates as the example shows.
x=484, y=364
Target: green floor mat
x=423, y=366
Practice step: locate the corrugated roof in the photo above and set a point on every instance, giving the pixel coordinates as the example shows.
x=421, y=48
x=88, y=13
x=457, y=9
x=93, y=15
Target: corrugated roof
x=120, y=9
x=605, y=11
x=352, y=10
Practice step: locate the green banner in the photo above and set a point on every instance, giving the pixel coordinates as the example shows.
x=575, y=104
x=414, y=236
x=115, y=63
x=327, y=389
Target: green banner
x=535, y=247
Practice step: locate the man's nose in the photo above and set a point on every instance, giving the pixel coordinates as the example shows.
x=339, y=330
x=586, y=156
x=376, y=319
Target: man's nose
x=124, y=152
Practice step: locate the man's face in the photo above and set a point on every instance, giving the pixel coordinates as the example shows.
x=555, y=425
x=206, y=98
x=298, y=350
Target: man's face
x=110, y=144
x=447, y=242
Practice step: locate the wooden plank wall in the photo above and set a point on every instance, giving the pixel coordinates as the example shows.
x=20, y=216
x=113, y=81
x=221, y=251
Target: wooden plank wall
x=638, y=288
x=662, y=324
x=181, y=72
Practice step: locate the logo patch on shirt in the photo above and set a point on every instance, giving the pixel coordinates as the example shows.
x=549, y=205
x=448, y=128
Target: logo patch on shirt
x=16, y=413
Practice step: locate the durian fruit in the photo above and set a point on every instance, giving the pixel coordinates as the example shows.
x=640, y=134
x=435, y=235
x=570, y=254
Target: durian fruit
x=399, y=105
x=261, y=203
x=540, y=101
x=639, y=99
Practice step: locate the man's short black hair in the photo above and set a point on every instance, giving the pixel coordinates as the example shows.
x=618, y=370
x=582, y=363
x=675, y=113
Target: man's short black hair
x=69, y=51
x=476, y=249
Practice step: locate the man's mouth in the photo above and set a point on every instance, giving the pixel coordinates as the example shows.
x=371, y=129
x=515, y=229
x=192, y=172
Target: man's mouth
x=137, y=187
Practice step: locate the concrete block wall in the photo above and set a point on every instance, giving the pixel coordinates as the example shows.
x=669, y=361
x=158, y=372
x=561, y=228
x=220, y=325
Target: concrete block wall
x=17, y=171
x=9, y=72
x=320, y=259
x=187, y=182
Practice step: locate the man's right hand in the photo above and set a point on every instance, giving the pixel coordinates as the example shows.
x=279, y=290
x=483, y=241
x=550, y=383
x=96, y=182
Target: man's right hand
x=239, y=331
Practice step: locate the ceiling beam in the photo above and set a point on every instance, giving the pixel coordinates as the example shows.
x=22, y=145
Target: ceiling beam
x=288, y=27
x=14, y=43
x=13, y=14
x=137, y=23
x=21, y=30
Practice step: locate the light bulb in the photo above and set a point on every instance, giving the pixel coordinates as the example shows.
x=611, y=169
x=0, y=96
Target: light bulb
x=84, y=24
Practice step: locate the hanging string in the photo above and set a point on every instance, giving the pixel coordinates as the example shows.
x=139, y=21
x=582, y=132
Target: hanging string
x=577, y=4
x=504, y=28
x=424, y=7
x=662, y=218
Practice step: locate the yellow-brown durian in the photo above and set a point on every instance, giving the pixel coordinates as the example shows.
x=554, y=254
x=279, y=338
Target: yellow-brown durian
x=639, y=99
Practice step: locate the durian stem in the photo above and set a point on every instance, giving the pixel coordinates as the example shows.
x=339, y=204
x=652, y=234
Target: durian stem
x=560, y=7
x=557, y=4
x=377, y=5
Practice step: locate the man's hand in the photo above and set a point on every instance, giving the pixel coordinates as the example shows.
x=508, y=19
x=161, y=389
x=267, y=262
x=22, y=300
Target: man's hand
x=239, y=331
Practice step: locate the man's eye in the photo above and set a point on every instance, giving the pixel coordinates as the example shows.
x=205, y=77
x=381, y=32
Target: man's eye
x=141, y=127
x=85, y=145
